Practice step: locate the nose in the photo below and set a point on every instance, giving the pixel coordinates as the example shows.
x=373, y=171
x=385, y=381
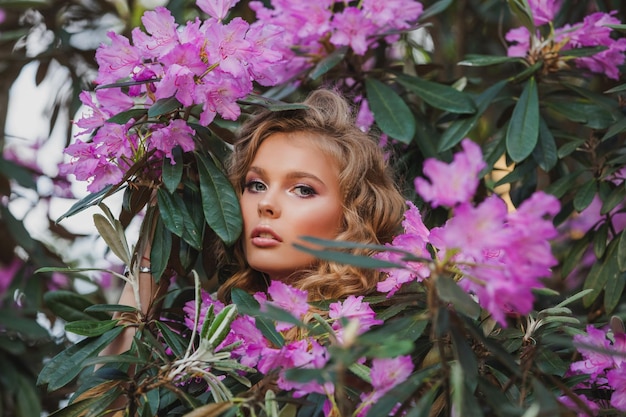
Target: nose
x=268, y=208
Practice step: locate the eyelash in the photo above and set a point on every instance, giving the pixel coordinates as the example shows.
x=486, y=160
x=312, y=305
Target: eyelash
x=305, y=191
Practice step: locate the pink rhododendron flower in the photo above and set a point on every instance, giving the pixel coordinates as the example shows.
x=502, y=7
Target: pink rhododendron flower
x=544, y=10
x=452, y=183
x=352, y=308
x=413, y=240
x=386, y=373
x=216, y=8
x=604, y=360
x=352, y=29
x=287, y=298
x=177, y=133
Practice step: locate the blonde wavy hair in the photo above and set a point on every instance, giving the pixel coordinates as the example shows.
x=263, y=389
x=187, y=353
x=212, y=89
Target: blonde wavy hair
x=373, y=206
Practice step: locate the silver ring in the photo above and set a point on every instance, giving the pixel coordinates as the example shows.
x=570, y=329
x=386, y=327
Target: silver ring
x=144, y=270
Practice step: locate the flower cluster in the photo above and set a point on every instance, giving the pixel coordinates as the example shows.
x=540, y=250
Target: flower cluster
x=499, y=255
x=202, y=67
x=593, y=31
x=604, y=360
x=250, y=348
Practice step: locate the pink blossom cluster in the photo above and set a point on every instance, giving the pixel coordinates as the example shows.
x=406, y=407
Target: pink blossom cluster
x=252, y=349
x=206, y=65
x=604, y=360
x=593, y=31
x=311, y=25
x=499, y=255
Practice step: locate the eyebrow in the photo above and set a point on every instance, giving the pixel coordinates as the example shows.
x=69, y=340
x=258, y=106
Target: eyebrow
x=290, y=175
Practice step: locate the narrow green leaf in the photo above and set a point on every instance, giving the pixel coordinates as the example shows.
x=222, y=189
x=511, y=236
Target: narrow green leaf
x=545, y=153
x=486, y=60
x=392, y=114
x=66, y=366
x=575, y=254
x=466, y=357
x=328, y=62
x=71, y=306
x=220, y=326
x=86, y=202
x=164, y=106
x=617, y=89
x=440, y=96
x=90, y=328
x=172, y=339
x=621, y=251
x=125, y=116
x=585, y=195
x=614, y=290
x=219, y=201
x=459, y=129
x=563, y=184
x=616, y=197
x=112, y=238
x=98, y=308
x=522, y=11
x=615, y=129
x=523, y=131
x=246, y=304
x=348, y=258
x=601, y=272
x=600, y=240
x=450, y=292
x=550, y=363
x=172, y=173
x=160, y=250
x=27, y=328
x=581, y=52
x=270, y=103
x=177, y=219
x=27, y=398
x=570, y=147
x=434, y=9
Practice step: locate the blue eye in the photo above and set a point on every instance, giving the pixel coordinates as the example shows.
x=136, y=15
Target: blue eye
x=304, y=191
x=255, y=186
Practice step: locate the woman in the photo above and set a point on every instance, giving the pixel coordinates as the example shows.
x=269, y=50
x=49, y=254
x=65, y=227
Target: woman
x=303, y=172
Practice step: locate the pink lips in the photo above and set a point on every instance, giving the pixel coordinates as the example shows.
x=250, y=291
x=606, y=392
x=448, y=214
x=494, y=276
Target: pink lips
x=264, y=237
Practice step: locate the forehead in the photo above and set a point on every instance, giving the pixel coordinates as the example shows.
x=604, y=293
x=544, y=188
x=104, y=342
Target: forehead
x=308, y=144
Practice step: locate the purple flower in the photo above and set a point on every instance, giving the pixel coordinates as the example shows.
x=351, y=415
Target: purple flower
x=216, y=8
x=351, y=28
x=452, y=183
x=287, y=298
x=177, y=133
x=352, y=308
x=386, y=373
x=544, y=10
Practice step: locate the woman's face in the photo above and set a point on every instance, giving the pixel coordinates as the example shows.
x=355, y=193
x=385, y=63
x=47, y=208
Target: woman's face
x=291, y=190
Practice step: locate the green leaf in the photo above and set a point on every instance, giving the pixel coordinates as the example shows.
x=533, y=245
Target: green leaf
x=328, y=62
x=115, y=240
x=90, y=328
x=66, y=366
x=88, y=201
x=172, y=339
x=581, y=52
x=220, y=326
x=584, y=195
x=486, y=60
x=392, y=114
x=173, y=173
x=271, y=104
x=459, y=129
x=219, y=201
x=177, y=219
x=71, y=306
x=601, y=272
x=164, y=106
x=600, y=240
x=561, y=186
x=523, y=131
x=348, y=258
x=614, y=290
x=522, y=11
x=621, y=251
x=95, y=405
x=160, y=250
x=466, y=357
x=550, y=363
x=440, y=96
x=20, y=174
x=615, y=129
x=27, y=398
x=450, y=292
x=575, y=254
x=15, y=324
x=98, y=308
x=617, y=89
x=617, y=196
x=435, y=8
x=246, y=304
x=125, y=116
x=545, y=153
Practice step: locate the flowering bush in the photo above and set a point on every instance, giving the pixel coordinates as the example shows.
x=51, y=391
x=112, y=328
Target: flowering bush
x=504, y=291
